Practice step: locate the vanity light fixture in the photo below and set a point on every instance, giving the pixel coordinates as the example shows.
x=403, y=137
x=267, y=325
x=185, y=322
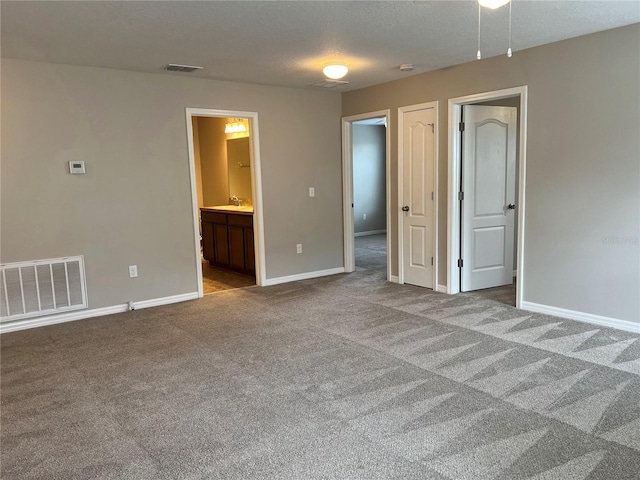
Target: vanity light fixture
x=234, y=125
x=493, y=4
x=335, y=71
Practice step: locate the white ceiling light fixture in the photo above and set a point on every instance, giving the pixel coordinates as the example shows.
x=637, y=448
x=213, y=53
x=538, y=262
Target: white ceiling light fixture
x=335, y=71
x=493, y=4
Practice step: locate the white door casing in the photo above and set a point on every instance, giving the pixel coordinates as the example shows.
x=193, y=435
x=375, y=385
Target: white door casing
x=417, y=194
x=489, y=189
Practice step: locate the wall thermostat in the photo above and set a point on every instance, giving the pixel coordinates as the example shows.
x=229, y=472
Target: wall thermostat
x=76, y=168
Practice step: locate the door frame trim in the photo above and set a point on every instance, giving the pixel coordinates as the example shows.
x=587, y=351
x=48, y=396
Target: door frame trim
x=401, y=112
x=347, y=186
x=256, y=187
x=453, y=185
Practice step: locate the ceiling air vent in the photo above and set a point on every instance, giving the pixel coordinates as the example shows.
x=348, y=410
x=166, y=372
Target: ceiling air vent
x=329, y=83
x=173, y=67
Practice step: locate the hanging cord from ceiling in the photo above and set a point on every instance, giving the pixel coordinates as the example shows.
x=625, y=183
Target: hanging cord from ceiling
x=479, y=55
x=509, y=53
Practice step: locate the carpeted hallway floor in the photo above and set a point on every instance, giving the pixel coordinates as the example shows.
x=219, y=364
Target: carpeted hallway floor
x=342, y=377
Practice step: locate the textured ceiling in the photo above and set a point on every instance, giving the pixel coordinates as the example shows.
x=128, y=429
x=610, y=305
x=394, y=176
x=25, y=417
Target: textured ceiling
x=287, y=42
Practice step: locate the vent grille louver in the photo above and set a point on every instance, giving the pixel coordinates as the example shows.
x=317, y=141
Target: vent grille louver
x=173, y=67
x=41, y=287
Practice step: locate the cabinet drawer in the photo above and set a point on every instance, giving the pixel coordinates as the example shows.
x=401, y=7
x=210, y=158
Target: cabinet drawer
x=241, y=220
x=213, y=217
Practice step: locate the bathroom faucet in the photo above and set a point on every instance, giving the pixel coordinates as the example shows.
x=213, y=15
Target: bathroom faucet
x=236, y=200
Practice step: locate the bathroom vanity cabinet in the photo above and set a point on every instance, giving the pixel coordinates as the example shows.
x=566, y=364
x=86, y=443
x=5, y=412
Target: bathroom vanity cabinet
x=227, y=238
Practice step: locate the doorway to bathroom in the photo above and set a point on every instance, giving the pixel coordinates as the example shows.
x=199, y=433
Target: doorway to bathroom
x=226, y=196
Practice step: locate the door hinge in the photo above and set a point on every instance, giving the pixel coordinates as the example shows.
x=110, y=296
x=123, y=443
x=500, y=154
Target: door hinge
x=461, y=126
x=460, y=263
x=352, y=205
x=460, y=196
x=431, y=195
x=431, y=260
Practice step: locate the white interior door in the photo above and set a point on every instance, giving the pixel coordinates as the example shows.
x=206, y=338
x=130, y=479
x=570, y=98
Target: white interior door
x=418, y=187
x=489, y=196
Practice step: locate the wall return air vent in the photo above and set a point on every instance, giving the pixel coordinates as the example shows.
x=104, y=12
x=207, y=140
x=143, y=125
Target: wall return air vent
x=174, y=67
x=41, y=287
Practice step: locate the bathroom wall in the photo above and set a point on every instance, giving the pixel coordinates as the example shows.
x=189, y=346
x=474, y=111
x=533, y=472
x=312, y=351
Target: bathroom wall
x=239, y=164
x=197, y=162
x=213, y=160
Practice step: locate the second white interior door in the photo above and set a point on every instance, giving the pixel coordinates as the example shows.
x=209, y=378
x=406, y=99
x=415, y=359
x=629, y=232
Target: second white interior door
x=418, y=187
x=489, y=187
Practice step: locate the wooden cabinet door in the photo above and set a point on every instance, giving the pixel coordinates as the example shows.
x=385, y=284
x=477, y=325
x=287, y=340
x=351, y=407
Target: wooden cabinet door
x=236, y=247
x=221, y=244
x=249, y=252
x=207, y=241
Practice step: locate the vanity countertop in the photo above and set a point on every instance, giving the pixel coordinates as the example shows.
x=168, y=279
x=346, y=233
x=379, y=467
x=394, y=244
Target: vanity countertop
x=247, y=210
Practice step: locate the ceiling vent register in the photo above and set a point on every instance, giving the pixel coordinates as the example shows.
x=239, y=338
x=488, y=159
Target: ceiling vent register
x=173, y=67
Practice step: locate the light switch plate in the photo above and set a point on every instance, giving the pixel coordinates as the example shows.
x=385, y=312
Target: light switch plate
x=312, y=192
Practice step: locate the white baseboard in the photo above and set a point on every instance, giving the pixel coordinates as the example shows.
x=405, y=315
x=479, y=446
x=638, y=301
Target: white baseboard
x=394, y=279
x=441, y=288
x=156, y=302
x=96, y=312
x=370, y=232
x=582, y=317
x=302, y=276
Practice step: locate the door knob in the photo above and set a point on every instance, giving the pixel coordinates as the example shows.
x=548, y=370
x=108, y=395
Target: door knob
x=405, y=208
x=511, y=206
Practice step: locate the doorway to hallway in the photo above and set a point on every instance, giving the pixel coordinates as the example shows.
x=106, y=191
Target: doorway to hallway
x=366, y=212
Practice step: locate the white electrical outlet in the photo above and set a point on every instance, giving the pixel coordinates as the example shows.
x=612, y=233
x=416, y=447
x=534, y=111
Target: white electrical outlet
x=299, y=248
x=312, y=193
x=364, y=216
x=133, y=271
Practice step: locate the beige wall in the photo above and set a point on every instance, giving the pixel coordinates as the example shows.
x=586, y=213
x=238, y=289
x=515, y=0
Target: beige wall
x=583, y=168
x=213, y=160
x=134, y=204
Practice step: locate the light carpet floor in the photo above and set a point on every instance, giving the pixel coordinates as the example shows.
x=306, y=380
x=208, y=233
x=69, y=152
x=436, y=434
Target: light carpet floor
x=342, y=377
